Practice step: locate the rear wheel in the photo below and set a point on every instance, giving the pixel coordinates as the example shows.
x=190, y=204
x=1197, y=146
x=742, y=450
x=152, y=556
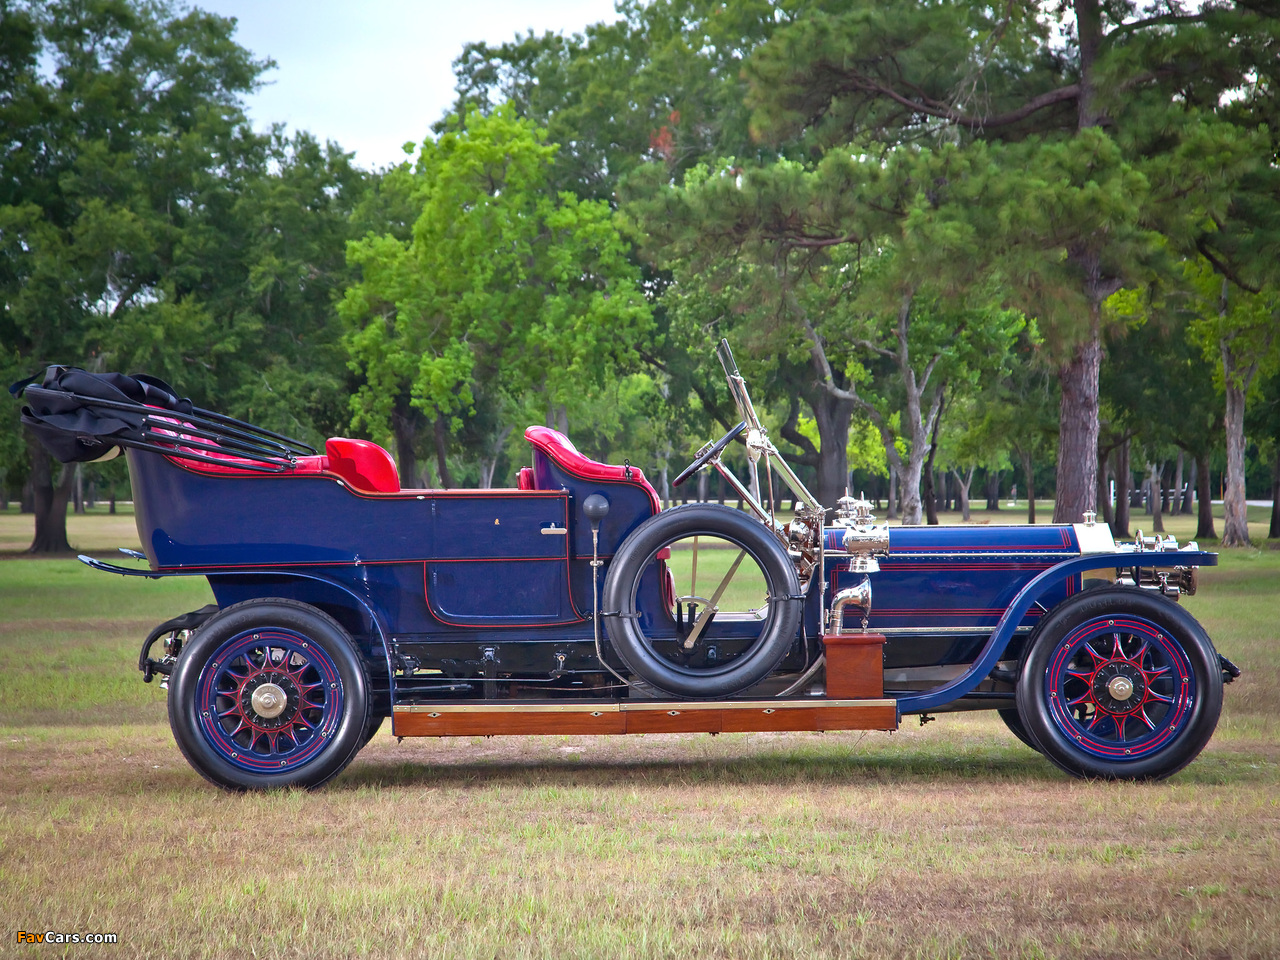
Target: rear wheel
x=728, y=614
x=269, y=693
x=1120, y=684
x=1014, y=723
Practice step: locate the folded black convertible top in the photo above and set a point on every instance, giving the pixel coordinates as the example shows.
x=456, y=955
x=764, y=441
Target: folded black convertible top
x=80, y=416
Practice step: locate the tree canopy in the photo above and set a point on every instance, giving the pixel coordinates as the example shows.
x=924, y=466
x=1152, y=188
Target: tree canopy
x=975, y=237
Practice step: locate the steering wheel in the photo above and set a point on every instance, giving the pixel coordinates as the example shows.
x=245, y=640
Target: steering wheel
x=701, y=462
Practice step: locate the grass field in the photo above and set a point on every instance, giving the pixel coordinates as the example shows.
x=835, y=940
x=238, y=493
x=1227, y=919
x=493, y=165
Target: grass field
x=950, y=840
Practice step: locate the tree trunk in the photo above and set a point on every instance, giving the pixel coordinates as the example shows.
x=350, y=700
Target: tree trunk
x=1157, y=498
x=1235, y=525
x=1275, y=497
x=442, y=450
x=892, y=512
x=962, y=486
x=404, y=428
x=50, y=501
x=1103, y=497
x=1175, y=506
x=1124, y=482
x=1029, y=473
x=489, y=464
x=720, y=488
x=702, y=485
x=1078, y=432
x=993, y=489
x=832, y=416
x=1191, y=486
x=930, y=480
x=1204, y=500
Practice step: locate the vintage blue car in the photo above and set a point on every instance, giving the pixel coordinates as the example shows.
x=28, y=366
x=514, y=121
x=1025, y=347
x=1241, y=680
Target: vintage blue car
x=575, y=604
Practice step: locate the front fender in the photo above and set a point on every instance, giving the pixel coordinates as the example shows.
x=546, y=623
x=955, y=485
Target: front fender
x=995, y=646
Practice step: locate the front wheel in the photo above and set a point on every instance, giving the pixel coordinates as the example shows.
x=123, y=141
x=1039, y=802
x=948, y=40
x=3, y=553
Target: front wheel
x=1120, y=684
x=269, y=693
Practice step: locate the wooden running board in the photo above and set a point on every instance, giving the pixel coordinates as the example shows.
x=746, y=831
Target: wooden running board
x=645, y=716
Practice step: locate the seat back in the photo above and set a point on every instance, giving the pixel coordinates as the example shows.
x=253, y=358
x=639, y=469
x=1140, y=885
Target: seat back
x=557, y=465
x=363, y=465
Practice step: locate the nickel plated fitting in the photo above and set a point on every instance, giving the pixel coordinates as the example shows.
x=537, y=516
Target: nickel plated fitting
x=864, y=539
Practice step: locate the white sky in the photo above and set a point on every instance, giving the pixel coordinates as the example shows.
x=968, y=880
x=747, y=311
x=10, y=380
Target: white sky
x=375, y=74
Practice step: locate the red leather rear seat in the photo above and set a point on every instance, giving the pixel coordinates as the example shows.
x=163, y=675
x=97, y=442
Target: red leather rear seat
x=364, y=465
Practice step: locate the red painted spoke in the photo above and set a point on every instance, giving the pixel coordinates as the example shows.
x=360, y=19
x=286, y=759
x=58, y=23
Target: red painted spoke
x=1153, y=697
x=1083, y=698
x=1084, y=676
x=1138, y=657
x=1117, y=648
x=1149, y=675
x=1097, y=658
x=1119, y=722
x=1142, y=715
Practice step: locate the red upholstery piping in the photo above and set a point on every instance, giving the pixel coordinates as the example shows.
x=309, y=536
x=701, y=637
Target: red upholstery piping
x=364, y=466
x=561, y=449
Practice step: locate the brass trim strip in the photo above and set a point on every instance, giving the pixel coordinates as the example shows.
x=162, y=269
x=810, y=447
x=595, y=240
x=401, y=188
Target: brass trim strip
x=652, y=706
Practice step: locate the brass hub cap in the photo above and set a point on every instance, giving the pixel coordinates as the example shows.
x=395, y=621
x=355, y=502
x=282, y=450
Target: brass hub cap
x=269, y=701
x=1120, y=688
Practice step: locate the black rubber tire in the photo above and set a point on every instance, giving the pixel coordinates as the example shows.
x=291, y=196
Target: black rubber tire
x=753, y=665
x=320, y=629
x=1182, y=632
x=371, y=727
x=1014, y=723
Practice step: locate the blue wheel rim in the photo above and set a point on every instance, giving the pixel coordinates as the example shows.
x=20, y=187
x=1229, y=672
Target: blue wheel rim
x=1120, y=688
x=276, y=664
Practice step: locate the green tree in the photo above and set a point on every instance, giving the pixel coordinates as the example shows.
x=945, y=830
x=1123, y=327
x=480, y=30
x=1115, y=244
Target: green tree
x=661, y=83
x=1108, y=122
x=144, y=225
x=1241, y=331
x=825, y=262
x=506, y=302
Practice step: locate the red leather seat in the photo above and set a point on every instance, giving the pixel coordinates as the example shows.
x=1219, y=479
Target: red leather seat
x=362, y=464
x=556, y=446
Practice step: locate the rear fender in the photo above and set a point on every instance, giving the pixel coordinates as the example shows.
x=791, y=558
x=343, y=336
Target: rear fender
x=353, y=612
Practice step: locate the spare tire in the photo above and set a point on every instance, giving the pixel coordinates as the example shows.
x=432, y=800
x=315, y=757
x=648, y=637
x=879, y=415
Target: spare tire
x=736, y=644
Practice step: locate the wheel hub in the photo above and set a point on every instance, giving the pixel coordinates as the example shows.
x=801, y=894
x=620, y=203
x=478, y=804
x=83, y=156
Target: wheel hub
x=1118, y=687
x=1121, y=688
x=269, y=701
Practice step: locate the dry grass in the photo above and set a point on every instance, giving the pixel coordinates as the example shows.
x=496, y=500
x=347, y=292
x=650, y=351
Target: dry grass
x=94, y=532
x=950, y=840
